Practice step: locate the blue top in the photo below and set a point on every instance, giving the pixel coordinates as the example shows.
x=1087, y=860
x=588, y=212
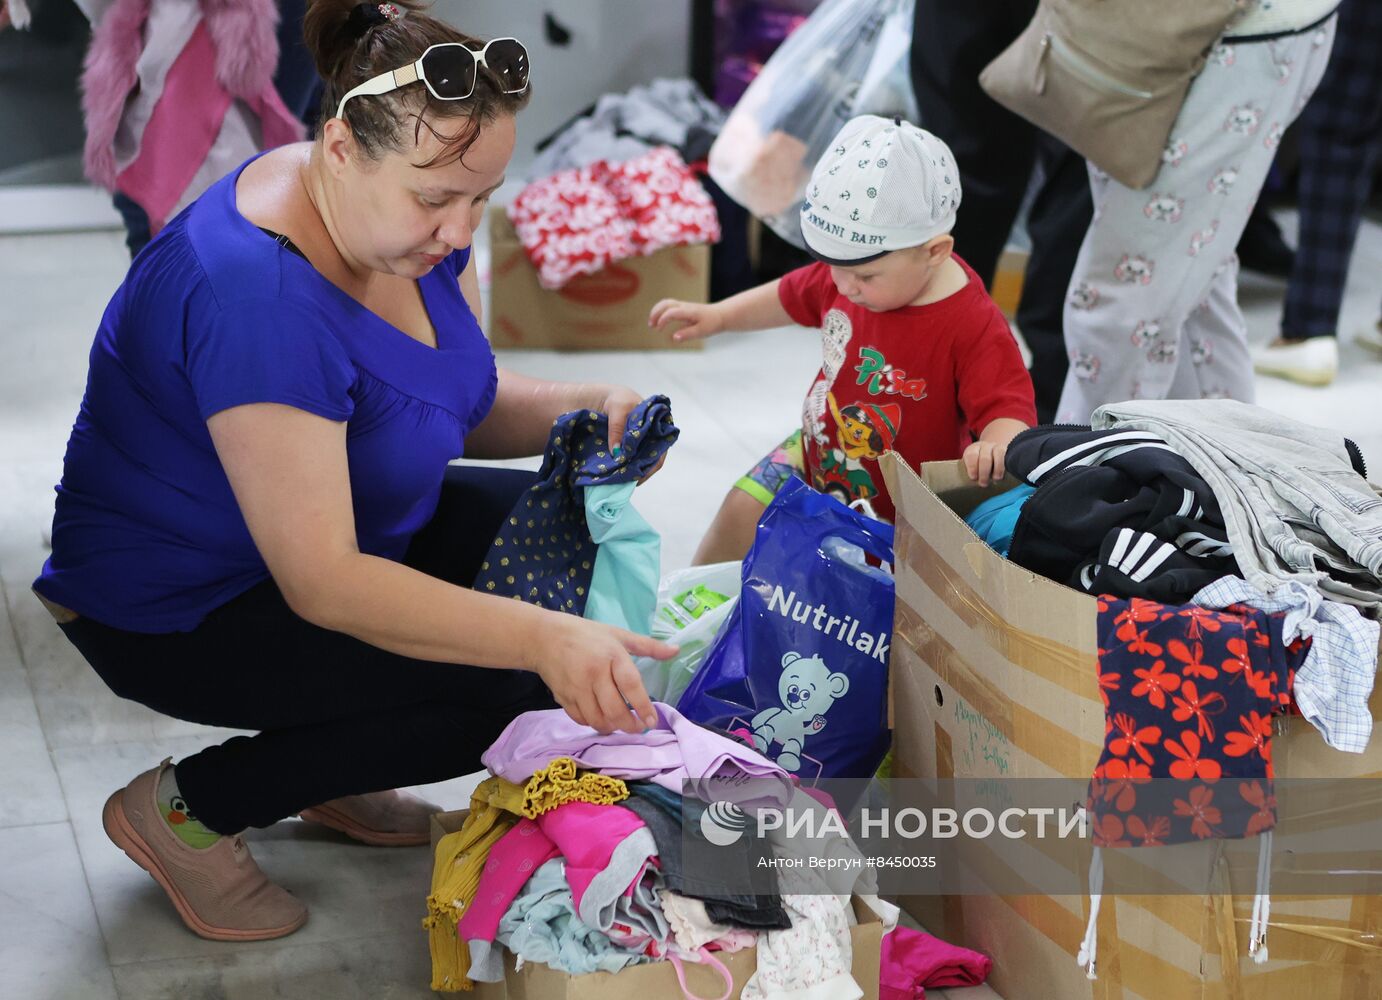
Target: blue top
x=995, y=519
x=147, y=535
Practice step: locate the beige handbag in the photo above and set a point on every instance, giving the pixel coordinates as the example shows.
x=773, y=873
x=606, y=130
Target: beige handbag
x=1108, y=77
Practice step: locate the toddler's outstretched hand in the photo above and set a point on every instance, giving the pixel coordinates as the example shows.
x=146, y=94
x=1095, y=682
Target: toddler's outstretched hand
x=696, y=319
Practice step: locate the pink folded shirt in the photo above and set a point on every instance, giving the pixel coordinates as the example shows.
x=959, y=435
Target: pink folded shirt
x=913, y=960
x=677, y=754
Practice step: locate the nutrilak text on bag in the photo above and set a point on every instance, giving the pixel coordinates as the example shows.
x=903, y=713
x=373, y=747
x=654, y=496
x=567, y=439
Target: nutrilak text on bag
x=844, y=628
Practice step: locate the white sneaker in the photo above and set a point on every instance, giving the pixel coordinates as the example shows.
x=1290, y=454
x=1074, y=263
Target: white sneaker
x=1370, y=336
x=1311, y=362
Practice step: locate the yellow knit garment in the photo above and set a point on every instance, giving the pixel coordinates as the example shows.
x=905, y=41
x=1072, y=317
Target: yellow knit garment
x=495, y=807
x=456, y=871
x=558, y=783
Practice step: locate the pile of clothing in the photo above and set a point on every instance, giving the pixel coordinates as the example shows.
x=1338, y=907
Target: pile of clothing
x=619, y=127
x=1237, y=557
x=582, y=220
x=615, y=183
x=1210, y=503
x=573, y=855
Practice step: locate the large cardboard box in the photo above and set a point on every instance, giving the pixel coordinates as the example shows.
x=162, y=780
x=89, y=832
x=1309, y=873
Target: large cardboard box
x=603, y=311
x=993, y=675
x=652, y=982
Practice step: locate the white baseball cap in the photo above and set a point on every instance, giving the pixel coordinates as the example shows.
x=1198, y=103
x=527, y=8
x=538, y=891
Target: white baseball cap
x=883, y=185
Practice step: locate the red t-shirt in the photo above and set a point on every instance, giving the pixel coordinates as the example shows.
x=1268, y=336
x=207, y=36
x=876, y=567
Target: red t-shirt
x=915, y=380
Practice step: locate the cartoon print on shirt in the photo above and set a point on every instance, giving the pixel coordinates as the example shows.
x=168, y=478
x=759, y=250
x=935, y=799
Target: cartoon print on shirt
x=1134, y=270
x=813, y=412
x=1084, y=296
x=865, y=432
x=1203, y=237
x=1174, y=152
x=836, y=333
x=1201, y=350
x=881, y=379
x=1243, y=119
x=1224, y=55
x=1085, y=366
x=1146, y=333
x=806, y=690
x=1164, y=208
x=1162, y=352
x=1223, y=180
x=1273, y=136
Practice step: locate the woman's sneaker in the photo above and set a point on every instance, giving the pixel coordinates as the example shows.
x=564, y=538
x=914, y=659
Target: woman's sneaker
x=219, y=891
x=380, y=819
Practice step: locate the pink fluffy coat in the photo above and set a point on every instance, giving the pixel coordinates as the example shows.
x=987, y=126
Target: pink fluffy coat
x=243, y=32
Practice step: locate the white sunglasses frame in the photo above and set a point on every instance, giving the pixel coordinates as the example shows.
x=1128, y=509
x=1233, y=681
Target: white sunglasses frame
x=388, y=82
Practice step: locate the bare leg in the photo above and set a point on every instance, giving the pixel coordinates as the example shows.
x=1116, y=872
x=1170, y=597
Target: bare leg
x=731, y=533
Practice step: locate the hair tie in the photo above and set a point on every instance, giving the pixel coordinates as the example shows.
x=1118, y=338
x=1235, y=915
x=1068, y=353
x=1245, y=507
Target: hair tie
x=365, y=16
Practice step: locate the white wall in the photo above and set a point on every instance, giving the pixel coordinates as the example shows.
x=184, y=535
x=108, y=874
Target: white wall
x=614, y=45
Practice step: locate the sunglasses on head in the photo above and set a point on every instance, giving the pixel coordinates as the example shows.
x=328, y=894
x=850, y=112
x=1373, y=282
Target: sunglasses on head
x=449, y=71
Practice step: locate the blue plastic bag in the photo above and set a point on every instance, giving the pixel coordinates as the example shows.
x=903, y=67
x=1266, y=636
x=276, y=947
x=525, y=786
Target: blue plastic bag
x=801, y=667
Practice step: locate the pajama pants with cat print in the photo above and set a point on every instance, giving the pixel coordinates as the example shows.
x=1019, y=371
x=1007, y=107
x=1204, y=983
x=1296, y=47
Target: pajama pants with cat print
x=1152, y=311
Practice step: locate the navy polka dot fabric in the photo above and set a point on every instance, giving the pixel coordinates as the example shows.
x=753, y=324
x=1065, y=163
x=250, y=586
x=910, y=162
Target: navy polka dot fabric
x=544, y=553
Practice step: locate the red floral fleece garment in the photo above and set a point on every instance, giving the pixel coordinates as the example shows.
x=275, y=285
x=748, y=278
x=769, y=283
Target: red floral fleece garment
x=1189, y=694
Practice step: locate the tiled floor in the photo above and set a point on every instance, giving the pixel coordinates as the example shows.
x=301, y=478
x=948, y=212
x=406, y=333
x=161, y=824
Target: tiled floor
x=77, y=919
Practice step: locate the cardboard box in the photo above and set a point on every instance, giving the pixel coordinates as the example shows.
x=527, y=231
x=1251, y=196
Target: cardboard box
x=603, y=311
x=658, y=979
x=985, y=650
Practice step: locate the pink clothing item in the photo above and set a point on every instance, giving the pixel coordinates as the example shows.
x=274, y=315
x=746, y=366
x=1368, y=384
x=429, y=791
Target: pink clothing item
x=913, y=960
x=824, y=798
x=607, y=850
x=706, y=958
x=675, y=754
x=693, y=929
x=512, y=861
x=109, y=74
x=580, y=221
x=229, y=56
x=186, y=124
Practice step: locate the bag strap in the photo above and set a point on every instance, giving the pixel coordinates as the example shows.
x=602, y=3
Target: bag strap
x=708, y=959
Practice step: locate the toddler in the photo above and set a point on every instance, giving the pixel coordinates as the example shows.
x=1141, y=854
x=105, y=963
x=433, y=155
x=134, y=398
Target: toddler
x=917, y=359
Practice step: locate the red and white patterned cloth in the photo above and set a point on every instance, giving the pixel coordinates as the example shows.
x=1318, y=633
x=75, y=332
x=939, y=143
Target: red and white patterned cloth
x=578, y=221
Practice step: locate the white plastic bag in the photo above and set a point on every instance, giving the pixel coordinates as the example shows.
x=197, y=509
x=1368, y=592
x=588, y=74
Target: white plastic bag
x=849, y=58
x=667, y=679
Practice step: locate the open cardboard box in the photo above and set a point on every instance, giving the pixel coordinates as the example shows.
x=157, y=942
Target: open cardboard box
x=658, y=979
x=988, y=655
x=604, y=311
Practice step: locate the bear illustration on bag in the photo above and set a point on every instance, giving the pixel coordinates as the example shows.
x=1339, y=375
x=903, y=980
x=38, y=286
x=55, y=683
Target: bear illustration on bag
x=806, y=689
